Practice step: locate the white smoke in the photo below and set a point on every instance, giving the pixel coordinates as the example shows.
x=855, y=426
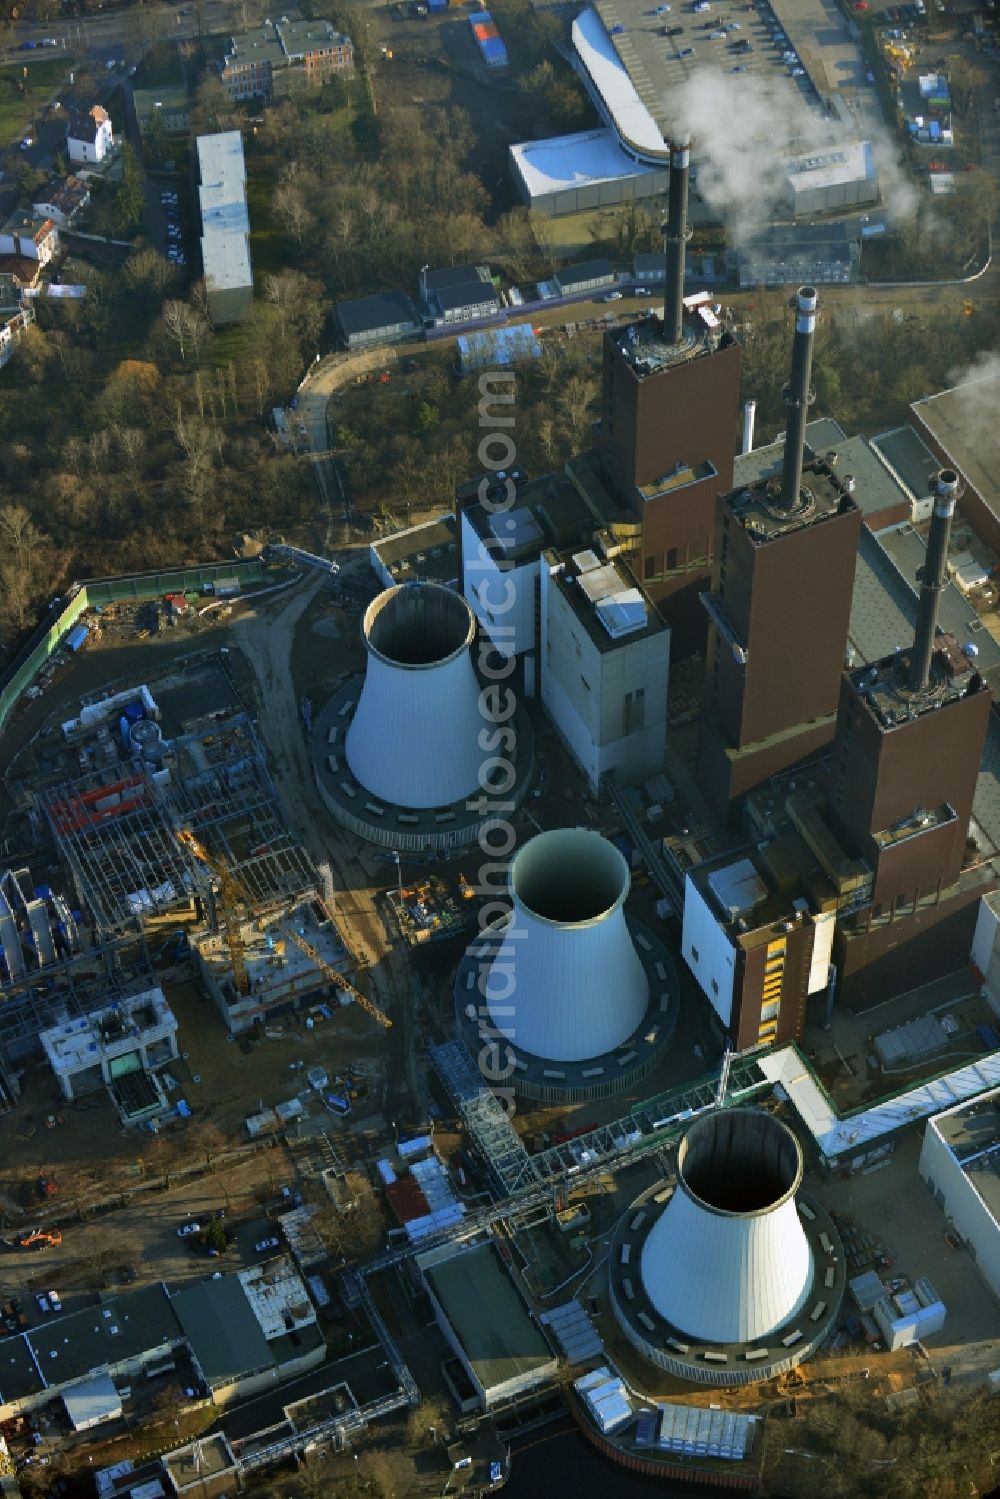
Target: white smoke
x=980, y=398
x=743, y=131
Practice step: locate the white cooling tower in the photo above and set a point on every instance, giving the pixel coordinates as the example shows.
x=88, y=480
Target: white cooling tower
x=414, y=738
x=566, y=982
x=728, y=1260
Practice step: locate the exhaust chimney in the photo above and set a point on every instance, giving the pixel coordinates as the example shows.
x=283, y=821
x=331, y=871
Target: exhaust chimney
x=749, y=417
x=676, y=235
x=798, y=396
x=933, y=577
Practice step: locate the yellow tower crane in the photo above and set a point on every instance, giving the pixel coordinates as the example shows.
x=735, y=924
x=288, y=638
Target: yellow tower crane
x=231, y=892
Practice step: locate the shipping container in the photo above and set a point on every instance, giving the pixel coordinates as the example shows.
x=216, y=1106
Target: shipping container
x=77, y=637
x=494, y=53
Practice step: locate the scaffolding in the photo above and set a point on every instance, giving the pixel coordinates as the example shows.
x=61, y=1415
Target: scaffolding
x=485, y=1118
x=119, y=838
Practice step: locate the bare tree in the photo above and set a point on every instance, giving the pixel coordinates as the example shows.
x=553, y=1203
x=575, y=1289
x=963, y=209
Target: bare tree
x=177, y=318
x=292, y=207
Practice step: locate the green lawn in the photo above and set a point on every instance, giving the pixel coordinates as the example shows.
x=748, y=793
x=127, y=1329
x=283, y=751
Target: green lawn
x=267, y=241
x=42, y=78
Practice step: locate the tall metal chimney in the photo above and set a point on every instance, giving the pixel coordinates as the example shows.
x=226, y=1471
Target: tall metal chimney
x=676, y=235
x=749, y=417
x=933, y=577
x=799, y=396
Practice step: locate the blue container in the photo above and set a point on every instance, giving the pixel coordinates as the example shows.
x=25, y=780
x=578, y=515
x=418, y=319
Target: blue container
x=134, y=711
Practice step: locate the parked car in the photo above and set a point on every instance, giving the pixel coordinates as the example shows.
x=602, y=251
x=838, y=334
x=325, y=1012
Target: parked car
x=187, y=1229
x=54, y=1300
x=27, y=143
x=43, y=1302
x=642, y=291
x=613, y=296
x=265, y=1244
x=49, y=41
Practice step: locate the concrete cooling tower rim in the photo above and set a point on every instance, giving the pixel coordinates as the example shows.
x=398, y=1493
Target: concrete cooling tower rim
x=418, y=628
x=804, y=1332
x=732, y=1177
x=569, y=878
x=546, y=1081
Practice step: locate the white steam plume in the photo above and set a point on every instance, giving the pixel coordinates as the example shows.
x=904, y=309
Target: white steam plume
x=744, y=129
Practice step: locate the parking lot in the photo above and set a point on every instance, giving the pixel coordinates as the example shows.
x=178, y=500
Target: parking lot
x=892, y=1205
x=172, y=230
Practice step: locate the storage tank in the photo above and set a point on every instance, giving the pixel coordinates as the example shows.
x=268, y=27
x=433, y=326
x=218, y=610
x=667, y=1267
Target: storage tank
x=414, y=737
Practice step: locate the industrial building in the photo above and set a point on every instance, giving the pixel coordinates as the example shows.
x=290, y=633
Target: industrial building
x=796, y=255
x=756, y=949
x=910, y=735
x=135, y=1035
x=669, y=396
x=779, y=608
x=734, y=1275
x=832, y=181
x=225, y=226
x=575, y=1000
x=587, y=275
x=426, y=553
x=481, y=1314
x=582, y=172
x=426, y=785
x=606, y=655
x=960, y=1165
x=275, y=974
x=958, y=426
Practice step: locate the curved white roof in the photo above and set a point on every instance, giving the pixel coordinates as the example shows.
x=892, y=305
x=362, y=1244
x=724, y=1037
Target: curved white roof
x=630, y=117
x=567, y=161
x=566, y=982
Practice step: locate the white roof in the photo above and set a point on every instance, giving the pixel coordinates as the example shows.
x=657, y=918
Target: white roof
x=632, y=120
x=849, y=162
x=91, y=1401
x=836, y=1136
x=222, y=199
x=567, y=161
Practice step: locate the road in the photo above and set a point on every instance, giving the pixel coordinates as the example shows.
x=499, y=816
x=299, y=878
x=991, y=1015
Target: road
x=147, y=1231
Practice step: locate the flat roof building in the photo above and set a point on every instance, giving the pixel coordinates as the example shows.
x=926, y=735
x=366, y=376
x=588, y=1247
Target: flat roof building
x=960, y=1164
x=577, y=173
x=830, y=181
x=135, y=1034
x=426, y=554
x=383, y=318
x=280, y=56
x=484, y=1319
x=225, y=226
x=960, y=427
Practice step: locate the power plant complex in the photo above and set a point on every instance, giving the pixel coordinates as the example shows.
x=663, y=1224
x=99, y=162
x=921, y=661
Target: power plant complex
x=701, y=744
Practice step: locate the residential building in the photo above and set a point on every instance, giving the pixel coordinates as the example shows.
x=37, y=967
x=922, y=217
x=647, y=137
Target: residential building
x=89, y=136
x=280, y=56
x=31, y=236
x=168, y=105
x=386, y=317
x=62, y=201
x=225, y=226
x=15, y=316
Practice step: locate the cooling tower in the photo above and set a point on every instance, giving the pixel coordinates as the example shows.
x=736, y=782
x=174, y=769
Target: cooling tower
x=414, y=738
x=566, y=982
x=728, y=1260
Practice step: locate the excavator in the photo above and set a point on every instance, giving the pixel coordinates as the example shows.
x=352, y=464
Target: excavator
x=232, y=894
